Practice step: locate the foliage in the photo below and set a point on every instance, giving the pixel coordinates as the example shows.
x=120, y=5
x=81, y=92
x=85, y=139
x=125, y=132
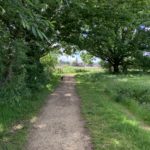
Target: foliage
x=113, y=32
x=14, y=113
x=142, y=62
x=105, y=65
x=49, y=62
x=87, y=58
x=25, y=36
x=29, y=29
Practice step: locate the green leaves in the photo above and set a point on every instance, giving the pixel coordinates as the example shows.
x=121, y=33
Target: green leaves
x=26, y=29
x=113, y=29
x=2, y=10
x=87, y=58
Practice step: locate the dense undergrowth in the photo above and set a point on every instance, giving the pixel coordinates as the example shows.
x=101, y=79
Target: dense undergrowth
x=15, y=115
x=27, y=64
x=117, y=110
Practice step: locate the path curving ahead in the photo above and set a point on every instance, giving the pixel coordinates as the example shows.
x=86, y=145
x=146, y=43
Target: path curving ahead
x=60, y=125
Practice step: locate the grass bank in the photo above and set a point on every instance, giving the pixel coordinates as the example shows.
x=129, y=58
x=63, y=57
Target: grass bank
x=117, y=110
x=16, y=118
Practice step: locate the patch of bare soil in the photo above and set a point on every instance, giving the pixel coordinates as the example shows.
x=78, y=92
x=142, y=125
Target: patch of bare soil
x=60, y=125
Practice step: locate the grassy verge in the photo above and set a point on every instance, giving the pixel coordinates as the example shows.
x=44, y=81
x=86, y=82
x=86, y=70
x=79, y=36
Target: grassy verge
x=15, y=119
x=116, y=108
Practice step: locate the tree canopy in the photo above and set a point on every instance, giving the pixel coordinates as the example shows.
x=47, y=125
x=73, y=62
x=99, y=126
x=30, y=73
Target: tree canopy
x=26, y=35
x=111, y=30
x=87, y=58
x=106, y=29
x=114, y=31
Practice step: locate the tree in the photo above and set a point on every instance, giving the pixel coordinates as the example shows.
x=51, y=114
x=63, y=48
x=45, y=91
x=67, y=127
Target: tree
x=49, y=62
x=142, y=57
x=87, y=58
x=142, y=62
x=26, y=35
x=112, y=31
x=28, y=29
x=106, y=29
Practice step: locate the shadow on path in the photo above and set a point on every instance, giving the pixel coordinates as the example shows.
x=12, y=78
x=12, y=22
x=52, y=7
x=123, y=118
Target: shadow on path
x=60, y=125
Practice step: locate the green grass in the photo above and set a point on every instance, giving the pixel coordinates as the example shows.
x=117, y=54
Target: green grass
x=20, y=114
x=116, y=109
x=66, y=69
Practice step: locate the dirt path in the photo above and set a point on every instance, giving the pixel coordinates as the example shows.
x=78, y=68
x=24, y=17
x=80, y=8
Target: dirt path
x=60, y=126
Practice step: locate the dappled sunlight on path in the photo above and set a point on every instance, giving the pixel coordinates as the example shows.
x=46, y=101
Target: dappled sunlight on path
x=60, y=126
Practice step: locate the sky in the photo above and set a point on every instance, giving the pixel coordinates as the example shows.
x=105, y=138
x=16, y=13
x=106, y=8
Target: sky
x=67, y=58
x=75, y=57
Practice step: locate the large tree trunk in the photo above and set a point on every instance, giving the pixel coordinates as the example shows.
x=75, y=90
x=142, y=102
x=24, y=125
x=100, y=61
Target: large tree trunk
x=110, y=68
x=124, y=69
x=116, y=68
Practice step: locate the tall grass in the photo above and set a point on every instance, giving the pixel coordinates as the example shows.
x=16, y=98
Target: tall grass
x=117, y=110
